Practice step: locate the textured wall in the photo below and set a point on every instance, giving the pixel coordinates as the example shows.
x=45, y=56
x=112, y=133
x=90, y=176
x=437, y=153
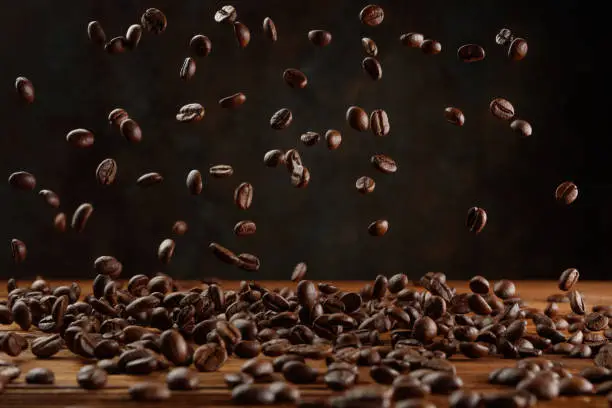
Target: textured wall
x=443, y=170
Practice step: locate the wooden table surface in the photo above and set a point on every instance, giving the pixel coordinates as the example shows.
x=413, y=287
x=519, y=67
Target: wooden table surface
x=213, y=392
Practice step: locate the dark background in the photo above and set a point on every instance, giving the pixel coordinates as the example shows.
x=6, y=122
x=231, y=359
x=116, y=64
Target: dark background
x=443, y=169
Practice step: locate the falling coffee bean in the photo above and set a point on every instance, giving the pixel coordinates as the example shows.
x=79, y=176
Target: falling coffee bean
x=96, y=33
x=149, y=392
x=192, y=112
x=454, y=116
x=130, y=130
x=245, y=228
x=80, y=138
x=200, y=45
x=504, y=289
x=22, y=180
x=25, y=89
x=18, y=250
x=357, y=118
x=117, y=115
x=501, y=109
x=116, y=45
x=471, y=53
x=480, y=285
x=188, y=69
x=242, y=33
x=431, y=47
x=413, y=40
x=221, y=170
x=50, y=197
x=194, y=182
x=320, y=38
x=109, y=266
x=166, y=251
x=365, y=185
x=182, y=379
x=154, y=21
x=59, y=222
x=243, y=196
x=149, y=179
x=566, y=192
x=522, y=127
x=106, y=172
x=81, y=216
x=273, y=158
x=518, y=49
x=310, y=138
x=249, y=262
x=576, y=302
x=369, y=46
x=372, y=67
x=568, y=279
x=232, y=101
x=372, y=15
x=295, y=78
x=269, y=29
x=299, y=271
x=476, y=219
x=226, y=14
x=180, y=228
x=383, y=163
x=133, y=35
x=333, y=139
x=379, y=122
x=378, y=228
x=281, y=119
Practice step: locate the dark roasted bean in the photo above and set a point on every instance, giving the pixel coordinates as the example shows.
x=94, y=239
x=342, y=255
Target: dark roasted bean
x=320, y=38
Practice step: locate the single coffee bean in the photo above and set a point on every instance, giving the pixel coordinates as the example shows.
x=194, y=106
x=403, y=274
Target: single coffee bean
x=116, y=45
x=504, y=289
x=476, y=219
x=80, y=138
x=273, y=158
x=454, y=116
x=379, y=122
x=464, y=399
x=295, y=78
x=50, y=197
x=25, y=89
x=149, y=179
x=431, y=47
x=248, y=262
x=383, y=374
x=257, y=367
x=182, y=379
x=96, y=33
x=149, y=391
x=117, y=115
x=383, y=163
x=299, y=373
x=166, y=250
x=200, y=45
x=596, y=321
x=479, y=305
x=194, y=182
x=226, y=14
x=188, y=69
x=581, y=351
x=357, y=118
x=372, y=15
x=425, y=329
x=109, y=266
x=245, y=228
x=372, y=67
x=209, y=357
x=11, y=343
x=22, y=180
x=233, y=380
x=252, y=394
x=131, y=130
x=242, y=34
x=310, y=138
x=480, y=285
x=576, y=302
x=81, y=216
x=501, y=108
x=413, y=40
x=106, y=172
x=243, y=196
x=518, y=49
x=133, y=35
x=174, y=347
x=365, y=185
x=141, y=366
x=566, y=192
x=369, y=46
x=281, y=119
x=442, y=382
x=224, y=254
x=19, y=250
x=320, y=38
x=333, y=139
x=378, y=228
x=59, y=222
x=40, y=376
x=247, y=349
x=91, y=377
x=471, y=53
x=180, y=227
x=522, y=127
x=154, y=21
x=269, y=29
x=233, y=101
x=192, y=112
x=575, y=385
x=299, y=271
x=221, y=170
x=473, y=350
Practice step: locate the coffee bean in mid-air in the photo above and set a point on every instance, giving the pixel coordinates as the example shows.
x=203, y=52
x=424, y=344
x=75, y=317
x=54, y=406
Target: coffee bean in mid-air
x=25, y=89
x=154, y=21
x=131, y=130
x=501, y=108
x=413, y=40
x=200, y=45
x=372, y=67
x=369, y=46
x=320, y=38
x=96, y=33
x=221, y=170
x=333, y=138
x=243, y=196
x=357, y=118
x=274, y=157
x=22, y=180
x=133, y=35
x=365, y=185
x=471, y=53
x=226, y=14
x=372, y=15
x=106, y=172
x=269, y=29
x=194, y=182
x=180, y=227
x=116, y=45
x=188, y=69
x=192, y=112
x=454, y=116
x=476, y=219
x=522, y=127
x=81, y=216
x=245, y=228
x=295, y=78
x=518, y=49
x=232, y=101
x=50, y=197
x=568, y=279
x=19, y=250
x=281, y=119
x=379, y=122
x=431, y=47
x=383, y=163
x=149, y=179
x=378, y=228
x=310, y=138
x=80, y=138
x=566, y=192
x=117, y=115
x=242, y=33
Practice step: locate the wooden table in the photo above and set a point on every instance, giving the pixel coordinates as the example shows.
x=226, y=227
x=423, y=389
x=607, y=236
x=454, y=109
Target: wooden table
x=212, y=391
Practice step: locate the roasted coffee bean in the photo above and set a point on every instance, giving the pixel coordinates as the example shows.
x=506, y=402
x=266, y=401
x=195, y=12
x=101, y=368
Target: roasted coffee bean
x=480, y=285
x=340, y=379
x=320, y=38
x=106, y=172
x=117, y=115
x=442, y=383
x=243, y=196
x=226, y=14
x=568, y=279
x=96, y=33
x=479, y=305
x=154, y=21
x=357, y=118
x=383, y=374
x=180, y=228
x=192, y=112
x=221, y=171
x=501, y=109
x=245, y=228
x=464, y=399
x=174, y=347
x=116, y=45
x=40, y=376
x=194, y=182
x=224, y=254
x=269, y=29
x=471, y=53
x=22, y=180
x=504, y=289
x=281, y=119
x=295, y=78
x=518, y=49
x=414, y=40
x=59, y=222
x=45, y=347
x=379, y=122
x=596, y=321
x=131, y=130
x=80, y=138
x=369, y=46
x=425, y=329
x=522, y=127
x=299, y=271
x=200, y=45
x=109, y=266
x=25, y=89
x=378, y=228
x=575, y=385
x=149, y=179
x=576, y=302
x=365, y=185
x=91, y=377
x=242, y=34
x=209, y=357
x=581, y=351
x=473, y=350
x=11, y=343
x=566, y=192
x=188, y=69
x=247, y=349
x=476, y=219
x=372, y=67
x=133, y=35
x=50, y=197
x=299, y=373
x=310, y=138
x=454, y=116
x=431, y=47
x=372, y=15
x=333, y=139
x=252, y=394
x=383, y=163
x=248, y=262
x=543, y=386
x=106, y=349
x=284, y=392
x=19, y=250
x=233, y=380
x=149, y=391
x=232, y=101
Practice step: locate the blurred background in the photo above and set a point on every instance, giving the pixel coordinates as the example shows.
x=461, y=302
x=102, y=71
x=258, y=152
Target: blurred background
x=443, y=169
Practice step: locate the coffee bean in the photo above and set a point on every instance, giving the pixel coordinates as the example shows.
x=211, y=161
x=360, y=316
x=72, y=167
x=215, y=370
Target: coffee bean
x=431, y=47
x=295, y=78
x=221, y=171
x=59, y=222
x=320, y=38
x=383, y=163
x=357, y=118
x=442, y=383
x=372, y=15
x=476, y=219
x=109, y=266
x=117, y=115
x=365, y=185
x=566, y=192
x=80, y=138
x=200, y=45
x=180, y=228
x=379, y=122
x=521, y=127
x=372, y=67
x=299, y=271
x=149, y=391
x=581, y=351
x=19, y=250
x=245, y=228
x=224, y=254
x=40, y=376
x=81, y=216
x=576, y=302
x=116, y=45
x=248, y=262
x=50, y=197
x=192, y=112
x=252, y=394
x=425, y=329
x=501, y=108
x=281, y=119
x=133, y=35
x=300, y=177
x=96, y=33
x=333, y=139
x=269, y=29
x=226, y=14
x=575, y=385
x=182, y=379
x=25, y=89
x=471, y=53
x=131, y=131
x=310, y=138
x=478, y=305
x=242, y=34
x=454, y=116
x=91, y=377
x=518, y=49
x=232, y=101
x=149, y=179
x=13, y=344
x=479, y=284
x=369, y=46
x=174, y=347
x=596, y=321
x=106, y=172
x=247, y=349
x=165, y=251
x=504, y=289
x=464, y=399
x=544, y=387
x=154, y=21
x=194, y=182
x=188, y=69
x=413, y=40
x=209, y=357
x=378, y=228
x=473, y=350
x=243, y=196
x=107, y=349
x=299, y=373
x=22, y=180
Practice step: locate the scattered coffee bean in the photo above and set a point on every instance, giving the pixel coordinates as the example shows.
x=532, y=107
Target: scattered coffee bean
x=576, y=302
x=369, y=46
x=224, y=254
x=365, y=185
x=504, y=289
x=357, y=118
x=333, y=139
x=299, y=271
x=379, y=122
x=91, y=377
x=19, y=250
x=116, y=45
x=179, y=228
x=568, y=279
x=131, y=130
x=50, y=197
x=182, y=379
x=209, y=357
x=96, y=33
x=59, y=222
x=372, y=15
x=521, y=127
x=431, y=47
x=248, y=262
x=166, y=250
x=243, y=196
x=40, y=376
x=192, y=112
x=295, y=78
x=454, y=116
x=383, y=163
x=299, y=373
x=188, y=69
x=310, y=138
x=154, y=21
x=414, y=40
x=22, y=180
x=281, y=119
x=117, y=115
x=80, y=138
x=501, y=109
x=320, y=38
x=106, y=172
x=471, y=53
x=25, y=89
x=566, y=192
x=233, y=101
x=476, y=219
x=109, y=266
x=378, y=228
x=149, y=179
x=194, y=182
x=372, y=67
x=518, y=49
x=149, y=392
x=245, y=228
x=200, y=45
x=221, y=171
x=81, y=216
x=269, y=29
x=242, y=34
x=133, y=35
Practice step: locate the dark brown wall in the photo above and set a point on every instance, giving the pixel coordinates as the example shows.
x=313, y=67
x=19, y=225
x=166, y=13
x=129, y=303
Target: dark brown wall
x=443, y=170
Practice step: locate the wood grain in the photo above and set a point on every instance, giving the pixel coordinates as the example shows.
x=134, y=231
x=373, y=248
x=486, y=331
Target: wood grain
x=212, y=391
